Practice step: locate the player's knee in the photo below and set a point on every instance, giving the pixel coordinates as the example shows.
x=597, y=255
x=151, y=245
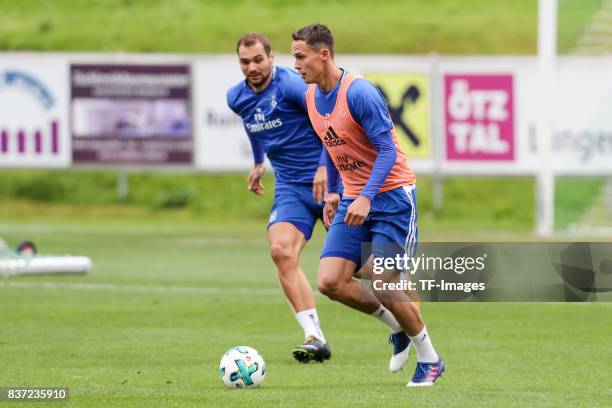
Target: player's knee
x=282, y=252
x=329, y=286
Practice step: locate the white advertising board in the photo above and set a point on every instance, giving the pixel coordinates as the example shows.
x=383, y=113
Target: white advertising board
x=492, y=133
x=222, y=145
x=582, y=139
x=34, y=128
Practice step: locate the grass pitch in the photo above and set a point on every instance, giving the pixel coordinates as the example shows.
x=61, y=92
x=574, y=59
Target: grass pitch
x=392, y=27
x=166, y=300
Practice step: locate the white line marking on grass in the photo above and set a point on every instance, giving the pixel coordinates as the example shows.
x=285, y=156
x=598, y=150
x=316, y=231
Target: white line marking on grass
x=139, y=288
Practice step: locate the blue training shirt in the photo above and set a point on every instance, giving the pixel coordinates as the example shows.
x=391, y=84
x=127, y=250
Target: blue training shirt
x=369, y=110
x=276, y=121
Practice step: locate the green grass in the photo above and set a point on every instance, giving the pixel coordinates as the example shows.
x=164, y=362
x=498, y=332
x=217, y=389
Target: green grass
x=155, y=337
x=573, y=17
x=469, y=203
x=149, y=325
x=504, y=203
x=199, y=194
x=571, y=207
x=360, y=26
x=197, y=26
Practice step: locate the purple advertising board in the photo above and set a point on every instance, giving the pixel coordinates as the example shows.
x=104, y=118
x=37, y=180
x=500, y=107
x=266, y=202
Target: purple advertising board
x=479, y=113
x=131, y=114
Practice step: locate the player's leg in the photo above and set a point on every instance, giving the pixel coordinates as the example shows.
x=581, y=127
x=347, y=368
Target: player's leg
x=396, y=225
x=286, y=243
x=429, y=365
x=398, y=337
x=291, y=225
x=336, y=282
x=340, y=257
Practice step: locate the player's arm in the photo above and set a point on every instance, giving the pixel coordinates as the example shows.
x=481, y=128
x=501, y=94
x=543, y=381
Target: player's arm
x=358, y=211
x=259, y=168
x=333, y=188
x=369, y=109
x=294, y=90
x=254, y=178
x=386, y=157
x=319, y=183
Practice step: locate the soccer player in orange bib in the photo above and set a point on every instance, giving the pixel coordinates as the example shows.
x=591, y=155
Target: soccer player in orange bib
x=349, y=115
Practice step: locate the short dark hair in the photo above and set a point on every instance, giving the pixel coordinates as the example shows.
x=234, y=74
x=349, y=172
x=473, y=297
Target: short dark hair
x=253, y=38
x=315, y=35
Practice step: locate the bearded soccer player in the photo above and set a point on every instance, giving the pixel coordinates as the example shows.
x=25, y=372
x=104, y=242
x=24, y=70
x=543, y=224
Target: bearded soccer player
x=349, y=115
x=271, y=103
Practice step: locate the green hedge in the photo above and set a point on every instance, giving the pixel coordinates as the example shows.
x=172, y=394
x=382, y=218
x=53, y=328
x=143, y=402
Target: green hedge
x=468, y=202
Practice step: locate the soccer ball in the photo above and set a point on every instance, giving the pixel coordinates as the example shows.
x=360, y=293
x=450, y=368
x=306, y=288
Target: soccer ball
x=242, y=367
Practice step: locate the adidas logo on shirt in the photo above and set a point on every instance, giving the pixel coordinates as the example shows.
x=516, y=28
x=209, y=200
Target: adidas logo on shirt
x=332, y=139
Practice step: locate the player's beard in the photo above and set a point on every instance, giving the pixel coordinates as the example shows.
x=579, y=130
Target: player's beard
x=260, y=83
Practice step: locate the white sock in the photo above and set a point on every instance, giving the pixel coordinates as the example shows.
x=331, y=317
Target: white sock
x=309, y=320
x=424, y=349
x=384, y=315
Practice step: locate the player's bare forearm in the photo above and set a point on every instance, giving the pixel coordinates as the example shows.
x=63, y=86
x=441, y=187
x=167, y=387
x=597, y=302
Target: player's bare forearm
x=254, y=179
x=319, y=184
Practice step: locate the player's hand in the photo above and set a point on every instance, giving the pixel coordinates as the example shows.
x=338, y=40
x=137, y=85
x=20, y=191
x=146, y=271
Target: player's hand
x=254, y=179
x=331, y=206
x=358, y=211
x=319, y=185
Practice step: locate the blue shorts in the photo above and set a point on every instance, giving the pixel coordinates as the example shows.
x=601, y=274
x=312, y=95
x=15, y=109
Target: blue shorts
x=293, y=203
x=390, y=226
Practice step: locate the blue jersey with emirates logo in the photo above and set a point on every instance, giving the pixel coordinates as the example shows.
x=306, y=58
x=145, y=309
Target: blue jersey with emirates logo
x=277, y=123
